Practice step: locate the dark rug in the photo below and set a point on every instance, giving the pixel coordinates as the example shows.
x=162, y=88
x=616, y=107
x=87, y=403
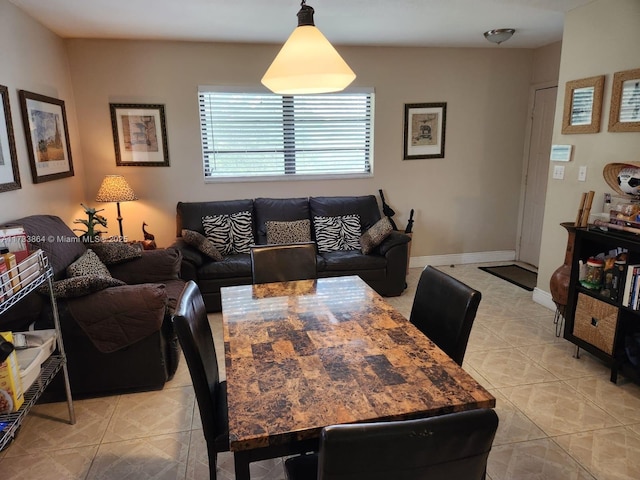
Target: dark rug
x=515, y=274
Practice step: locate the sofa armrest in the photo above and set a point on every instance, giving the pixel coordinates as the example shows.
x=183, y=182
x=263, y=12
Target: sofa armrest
x=155, y=266
x=393, y=240
x=190, y=253
x=192, y=259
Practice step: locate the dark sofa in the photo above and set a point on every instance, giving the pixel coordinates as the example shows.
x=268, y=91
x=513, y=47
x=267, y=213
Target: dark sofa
x=384, y=269
x=104, y=356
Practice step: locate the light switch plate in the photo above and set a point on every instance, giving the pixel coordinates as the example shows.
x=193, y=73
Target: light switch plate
x=582, y=173
x=558, y=172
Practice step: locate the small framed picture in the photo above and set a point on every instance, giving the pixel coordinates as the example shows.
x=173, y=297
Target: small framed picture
x=139, y=135
x=583, y=105
x=424, y=130
x=624, y=115
x=9, y=174
x=45, y=126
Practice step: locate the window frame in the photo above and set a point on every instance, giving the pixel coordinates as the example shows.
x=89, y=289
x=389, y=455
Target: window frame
x=285, y=176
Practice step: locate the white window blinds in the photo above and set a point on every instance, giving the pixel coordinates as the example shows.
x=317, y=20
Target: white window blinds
x=267, y=135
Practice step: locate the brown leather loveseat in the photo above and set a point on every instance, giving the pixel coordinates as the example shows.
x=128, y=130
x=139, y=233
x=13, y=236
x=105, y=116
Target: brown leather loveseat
x=117, y=339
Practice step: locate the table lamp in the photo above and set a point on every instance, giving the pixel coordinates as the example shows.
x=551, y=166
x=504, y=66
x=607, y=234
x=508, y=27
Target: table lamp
x=115, y=188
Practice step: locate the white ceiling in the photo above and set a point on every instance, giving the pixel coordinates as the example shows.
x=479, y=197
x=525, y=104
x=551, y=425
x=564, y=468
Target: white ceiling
x=441, y=23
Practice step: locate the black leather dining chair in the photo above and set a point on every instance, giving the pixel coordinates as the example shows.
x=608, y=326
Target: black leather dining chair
x=453, y=446
x=194, y=333
x=283, y=263
x=444, y=309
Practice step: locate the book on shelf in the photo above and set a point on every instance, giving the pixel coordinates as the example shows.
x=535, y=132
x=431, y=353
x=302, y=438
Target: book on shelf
x=631, y=295
x=29, y=269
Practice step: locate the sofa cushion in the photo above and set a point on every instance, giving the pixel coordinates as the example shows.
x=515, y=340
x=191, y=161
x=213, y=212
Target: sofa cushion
x=80, y=286
x=88, y=264
x=375, y=235
x=121, y=316
x=232, y=266
x=112, y=253
x=154, y=266
x=365, y=206
x=337, y=233
x=278, y=209
x=202, y=243
x=350, y=261
x=296, y=231
x=229, y=233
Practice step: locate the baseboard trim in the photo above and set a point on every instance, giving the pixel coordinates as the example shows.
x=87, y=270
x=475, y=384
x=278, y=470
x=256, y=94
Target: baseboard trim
x=539, y=296
x=543, y=298
x=463, y=258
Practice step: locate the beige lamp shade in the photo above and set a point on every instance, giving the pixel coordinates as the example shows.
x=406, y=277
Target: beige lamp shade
x=115, y=188
x=307, y=63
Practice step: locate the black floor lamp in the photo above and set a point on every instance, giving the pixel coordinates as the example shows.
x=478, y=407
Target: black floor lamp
x=115, y=188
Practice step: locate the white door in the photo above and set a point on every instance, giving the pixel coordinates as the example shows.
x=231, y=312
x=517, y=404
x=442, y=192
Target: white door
x=544, y=106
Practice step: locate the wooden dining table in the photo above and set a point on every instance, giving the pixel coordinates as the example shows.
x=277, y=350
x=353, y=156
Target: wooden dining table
x=303, y=355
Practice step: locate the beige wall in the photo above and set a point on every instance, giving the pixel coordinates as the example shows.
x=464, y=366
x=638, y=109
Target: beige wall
x=600, y=38
x=34, y=59
x=546, y=64
x=467, y=202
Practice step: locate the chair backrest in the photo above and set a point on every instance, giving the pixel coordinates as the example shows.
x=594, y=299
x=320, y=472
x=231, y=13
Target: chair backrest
x=445, y=447
x=283, y=263
x=444, y=309
x=194, y=333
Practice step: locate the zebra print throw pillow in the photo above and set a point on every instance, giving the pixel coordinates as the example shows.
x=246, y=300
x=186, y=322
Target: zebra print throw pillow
x=337, y=233
x=229, y=233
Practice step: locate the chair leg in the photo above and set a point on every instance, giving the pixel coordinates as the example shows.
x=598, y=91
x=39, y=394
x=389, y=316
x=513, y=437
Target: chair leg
x=213, y=464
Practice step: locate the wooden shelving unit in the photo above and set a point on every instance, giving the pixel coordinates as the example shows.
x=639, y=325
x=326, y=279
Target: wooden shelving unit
x=597, y=323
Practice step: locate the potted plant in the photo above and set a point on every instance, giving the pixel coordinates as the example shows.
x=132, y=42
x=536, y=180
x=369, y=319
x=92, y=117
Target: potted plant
x=91, y=234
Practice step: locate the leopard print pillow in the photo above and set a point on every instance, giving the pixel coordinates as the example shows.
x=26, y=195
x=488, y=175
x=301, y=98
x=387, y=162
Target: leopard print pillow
x=88, y=264
x=375, y=235
x=202, y=243
x=111, y=253
x=296, y=231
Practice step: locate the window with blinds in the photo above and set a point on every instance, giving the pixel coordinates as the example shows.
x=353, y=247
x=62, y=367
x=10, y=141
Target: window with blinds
x=266, y=136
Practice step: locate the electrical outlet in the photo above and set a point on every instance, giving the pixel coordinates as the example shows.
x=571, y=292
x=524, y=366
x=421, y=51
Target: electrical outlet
x=582, y=173
x=558, y=172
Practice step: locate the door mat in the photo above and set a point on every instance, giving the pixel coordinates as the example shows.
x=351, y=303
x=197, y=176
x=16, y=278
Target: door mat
x=514, y=274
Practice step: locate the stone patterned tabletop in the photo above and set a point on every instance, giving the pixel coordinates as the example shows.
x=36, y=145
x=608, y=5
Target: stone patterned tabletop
x=303, y=355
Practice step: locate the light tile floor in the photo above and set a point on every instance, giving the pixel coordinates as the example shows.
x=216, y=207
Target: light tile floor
x=560, y=417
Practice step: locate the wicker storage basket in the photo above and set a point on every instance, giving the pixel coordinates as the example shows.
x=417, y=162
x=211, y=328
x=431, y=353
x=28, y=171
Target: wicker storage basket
x=595, y=322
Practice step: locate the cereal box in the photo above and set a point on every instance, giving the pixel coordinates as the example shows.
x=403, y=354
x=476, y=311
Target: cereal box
x=11, y=394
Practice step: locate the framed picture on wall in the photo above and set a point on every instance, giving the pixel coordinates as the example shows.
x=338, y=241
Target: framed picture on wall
x=424, y=130
x=624, y=115
x=9, y=174
x=45, y=127
x=139, y=135
x=583, y=105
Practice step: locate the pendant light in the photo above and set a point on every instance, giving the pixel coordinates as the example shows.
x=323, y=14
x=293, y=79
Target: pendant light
x=307, y=62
